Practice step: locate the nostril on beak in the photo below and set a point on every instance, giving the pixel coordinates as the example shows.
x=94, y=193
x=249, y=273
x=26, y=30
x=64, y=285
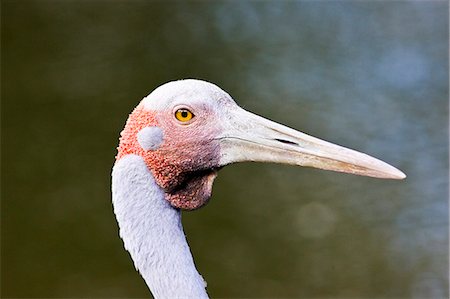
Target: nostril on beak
x=286, y=141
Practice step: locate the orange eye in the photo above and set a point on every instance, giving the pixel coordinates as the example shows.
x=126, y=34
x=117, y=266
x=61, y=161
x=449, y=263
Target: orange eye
x=184, y=115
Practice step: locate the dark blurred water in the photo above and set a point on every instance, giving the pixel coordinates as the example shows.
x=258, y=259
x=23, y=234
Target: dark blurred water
x=369, y=75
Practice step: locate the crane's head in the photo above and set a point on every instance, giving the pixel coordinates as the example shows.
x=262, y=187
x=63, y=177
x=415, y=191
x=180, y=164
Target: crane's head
x=187, y=130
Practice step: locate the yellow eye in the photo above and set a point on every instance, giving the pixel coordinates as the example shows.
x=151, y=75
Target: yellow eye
x=184, y=115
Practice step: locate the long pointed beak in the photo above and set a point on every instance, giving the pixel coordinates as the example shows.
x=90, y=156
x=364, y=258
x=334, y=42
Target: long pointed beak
x=249, y=137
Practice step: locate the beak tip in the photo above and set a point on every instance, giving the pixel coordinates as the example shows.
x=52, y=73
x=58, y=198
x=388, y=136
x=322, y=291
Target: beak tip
x=401, y=175
x=396, y=174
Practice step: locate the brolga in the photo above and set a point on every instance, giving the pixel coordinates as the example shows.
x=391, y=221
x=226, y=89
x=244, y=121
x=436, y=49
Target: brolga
x=172, y=146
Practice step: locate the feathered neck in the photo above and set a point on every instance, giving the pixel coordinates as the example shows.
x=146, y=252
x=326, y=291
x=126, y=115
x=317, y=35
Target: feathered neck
x=152, y=232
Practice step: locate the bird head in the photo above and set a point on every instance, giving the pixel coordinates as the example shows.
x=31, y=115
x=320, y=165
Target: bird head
x=187, y=130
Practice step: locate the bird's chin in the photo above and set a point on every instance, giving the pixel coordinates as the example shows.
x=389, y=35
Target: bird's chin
x=194, y=192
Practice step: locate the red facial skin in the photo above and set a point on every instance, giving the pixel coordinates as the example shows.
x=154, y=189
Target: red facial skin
x=185, y=164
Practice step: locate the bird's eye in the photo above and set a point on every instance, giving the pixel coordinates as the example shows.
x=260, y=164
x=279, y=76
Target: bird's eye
x=183, y=115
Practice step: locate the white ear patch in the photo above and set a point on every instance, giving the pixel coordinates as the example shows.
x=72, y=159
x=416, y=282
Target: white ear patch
x=150, y=138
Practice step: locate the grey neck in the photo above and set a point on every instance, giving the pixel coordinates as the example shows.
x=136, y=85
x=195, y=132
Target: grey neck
x=152, y=232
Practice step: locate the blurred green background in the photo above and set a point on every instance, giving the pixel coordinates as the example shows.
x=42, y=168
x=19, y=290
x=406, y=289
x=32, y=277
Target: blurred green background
x=368, y=75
